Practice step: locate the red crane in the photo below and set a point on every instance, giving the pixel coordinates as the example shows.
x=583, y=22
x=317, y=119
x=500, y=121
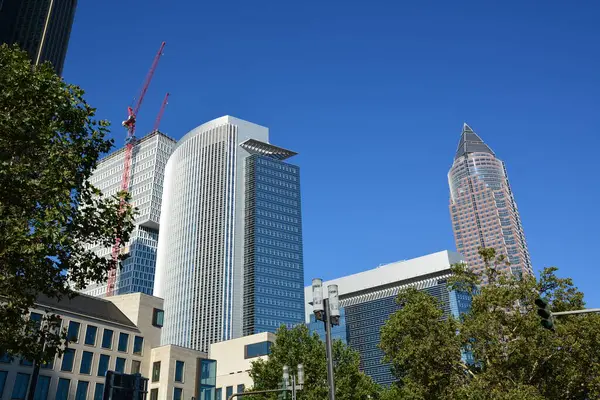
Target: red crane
x=129, y=123
x=161, y=112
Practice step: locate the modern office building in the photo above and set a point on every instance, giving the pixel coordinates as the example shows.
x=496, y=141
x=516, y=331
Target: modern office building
x=40, y=27
x=483, y=208
x=368, y=299
x=230, y=249
x=148, y=160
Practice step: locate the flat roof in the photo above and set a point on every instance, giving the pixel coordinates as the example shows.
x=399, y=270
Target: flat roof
x=386, y=275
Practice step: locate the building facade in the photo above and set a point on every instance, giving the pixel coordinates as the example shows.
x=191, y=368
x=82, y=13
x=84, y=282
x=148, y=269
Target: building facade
x=103, y=338
x=483, y=208
x=148, y=160
x=230, y=250
x=368, y=299
x=30, y=22
x=234, y=361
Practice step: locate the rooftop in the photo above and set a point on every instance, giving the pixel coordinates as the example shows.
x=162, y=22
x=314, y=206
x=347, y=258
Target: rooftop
x=87, y=306
x=470, y=142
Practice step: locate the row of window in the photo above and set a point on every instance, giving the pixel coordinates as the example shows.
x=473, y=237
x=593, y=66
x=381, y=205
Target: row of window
x=107, y=338
x=277, y=243
x=42, y=390
x=277, y=165
x=276, y=199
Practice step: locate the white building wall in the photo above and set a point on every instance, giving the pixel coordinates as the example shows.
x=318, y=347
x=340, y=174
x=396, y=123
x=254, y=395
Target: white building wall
x=386, y=275
x=200, y=249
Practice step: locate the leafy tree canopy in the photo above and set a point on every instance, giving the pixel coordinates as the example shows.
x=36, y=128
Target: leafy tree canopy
x=297, y=346
x=50, y=214
x=514, y=356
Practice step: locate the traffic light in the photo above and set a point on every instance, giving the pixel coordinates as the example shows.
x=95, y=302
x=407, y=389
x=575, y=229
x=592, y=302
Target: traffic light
x=544, y=312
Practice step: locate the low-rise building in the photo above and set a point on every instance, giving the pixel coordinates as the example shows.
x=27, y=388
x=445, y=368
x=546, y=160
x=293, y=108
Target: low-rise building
x=103, y=338
x=368, y=299
x=122, y=333
x=234, y=361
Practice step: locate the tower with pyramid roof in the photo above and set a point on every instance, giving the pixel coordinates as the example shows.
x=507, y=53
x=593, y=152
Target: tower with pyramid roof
x=483, y=208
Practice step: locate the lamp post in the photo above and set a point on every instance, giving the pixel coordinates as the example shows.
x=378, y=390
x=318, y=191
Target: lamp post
x=328, y=311
x=297, y=382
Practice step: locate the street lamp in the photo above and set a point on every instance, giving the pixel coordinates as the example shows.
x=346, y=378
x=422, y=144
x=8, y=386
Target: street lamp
x=297, y=382
x=328, y=311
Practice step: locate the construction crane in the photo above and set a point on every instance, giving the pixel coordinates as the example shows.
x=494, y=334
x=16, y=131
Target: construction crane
x=161, y=112
x=129, y=123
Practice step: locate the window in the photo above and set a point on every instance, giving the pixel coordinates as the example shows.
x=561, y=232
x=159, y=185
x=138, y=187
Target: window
x=257, y=349
x=47, y=365
x=228, y=392
x=99, y=392
x=82, y=389
x=73, y=331
x=20, y=387
x=67, y=360
x=218, y=394
x=103, y=364
x=36, y=317
x=3, y=375
x=138, y=344
x=177, y=394
x=90, y=335
x=179, y=371
x=86, y=362
x=241, y=388
x=135, y=366
x=155, y=371
x=107, y=338
x=123, y=339
x=41, y=388
x=26, y=363
x=120, y=365
x=6, y=358
x=154, y=394
x=62, y=390
x=158, y=317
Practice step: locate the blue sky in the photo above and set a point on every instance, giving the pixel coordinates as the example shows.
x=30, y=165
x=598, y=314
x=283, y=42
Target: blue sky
x=373, y=96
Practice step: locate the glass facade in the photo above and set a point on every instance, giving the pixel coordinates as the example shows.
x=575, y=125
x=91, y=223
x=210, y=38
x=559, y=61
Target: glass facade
x=149, y=158
x=364, y=312
x=274, y=269
x=208, y=380
x=229, y=259
x=483, y=208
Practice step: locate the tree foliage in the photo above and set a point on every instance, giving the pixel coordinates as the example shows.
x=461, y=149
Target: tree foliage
x=514, y=357
x=297, y=346
x=50, y=215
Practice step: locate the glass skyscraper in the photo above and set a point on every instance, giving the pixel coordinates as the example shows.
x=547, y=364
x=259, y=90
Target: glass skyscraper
x=368, y=299
x=483, y=208
x=230, y=250
x=148, y=161
x=26, y=22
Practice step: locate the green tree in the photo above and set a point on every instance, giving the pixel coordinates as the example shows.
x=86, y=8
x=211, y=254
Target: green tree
x=297, y=346
x=49, y=213
x=514, y=357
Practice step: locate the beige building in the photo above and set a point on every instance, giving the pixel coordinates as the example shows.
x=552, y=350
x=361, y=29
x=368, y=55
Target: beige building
x=122, y=333
x=104, y=338
x=234, y=360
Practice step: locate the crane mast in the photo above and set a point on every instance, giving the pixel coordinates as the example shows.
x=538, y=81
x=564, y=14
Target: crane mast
x=161, y=112
x=129, y=124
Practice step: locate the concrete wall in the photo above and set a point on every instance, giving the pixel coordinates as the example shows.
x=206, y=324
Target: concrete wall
x=232, y=366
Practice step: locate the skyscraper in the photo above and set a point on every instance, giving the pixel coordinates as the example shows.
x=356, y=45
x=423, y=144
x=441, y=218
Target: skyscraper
x=40, y=27
x=230, y=248
x=148, y=161
x=482, y=206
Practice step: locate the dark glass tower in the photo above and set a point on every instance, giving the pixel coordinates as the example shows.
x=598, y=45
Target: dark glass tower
x=31, y=22
x=273, y=267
